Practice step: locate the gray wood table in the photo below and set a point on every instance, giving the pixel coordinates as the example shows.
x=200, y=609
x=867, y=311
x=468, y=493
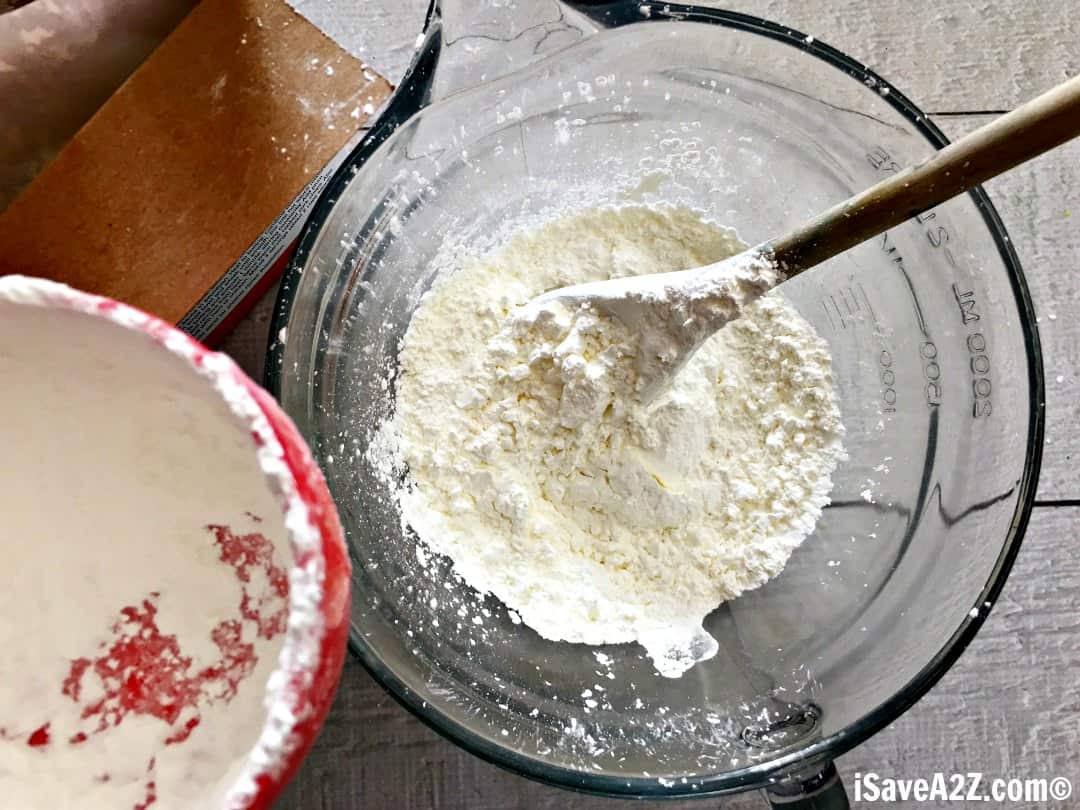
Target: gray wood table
x=1011, y=706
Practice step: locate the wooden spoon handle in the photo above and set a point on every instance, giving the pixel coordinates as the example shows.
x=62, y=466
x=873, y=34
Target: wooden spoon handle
x=1041, y=124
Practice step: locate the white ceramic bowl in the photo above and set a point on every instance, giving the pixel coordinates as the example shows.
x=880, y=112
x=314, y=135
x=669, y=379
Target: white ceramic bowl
x=174, y=603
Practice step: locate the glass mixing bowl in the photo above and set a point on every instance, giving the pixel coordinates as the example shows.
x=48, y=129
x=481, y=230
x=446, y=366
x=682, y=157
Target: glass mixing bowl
x=933, y=341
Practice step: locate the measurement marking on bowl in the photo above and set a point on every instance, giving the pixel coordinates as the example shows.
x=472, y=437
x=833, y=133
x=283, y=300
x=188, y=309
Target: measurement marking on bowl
x=828, y=314
x=857, y=304
x=978, y=352
x=928, y=350
x=836, y=306
x=845, y=309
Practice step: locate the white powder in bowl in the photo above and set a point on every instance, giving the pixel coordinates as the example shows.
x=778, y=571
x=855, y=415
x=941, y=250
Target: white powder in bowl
x=533, y=465
x=144, y=589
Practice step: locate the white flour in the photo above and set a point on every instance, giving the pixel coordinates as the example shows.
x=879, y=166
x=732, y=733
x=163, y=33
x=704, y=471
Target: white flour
x=144, y=599
x=533, y=465
x=671, y=313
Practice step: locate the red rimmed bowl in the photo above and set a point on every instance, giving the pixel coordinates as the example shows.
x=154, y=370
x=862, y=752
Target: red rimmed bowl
x=174, y=602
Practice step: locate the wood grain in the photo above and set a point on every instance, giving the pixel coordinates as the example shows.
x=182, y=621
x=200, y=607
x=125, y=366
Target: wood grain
x=1010, y=706
x=381, y=33
x=947, y=56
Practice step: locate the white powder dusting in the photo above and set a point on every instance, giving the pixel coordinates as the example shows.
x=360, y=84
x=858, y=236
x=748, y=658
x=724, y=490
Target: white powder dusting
x=145, y=599
x=671, y=314
x=533, y=464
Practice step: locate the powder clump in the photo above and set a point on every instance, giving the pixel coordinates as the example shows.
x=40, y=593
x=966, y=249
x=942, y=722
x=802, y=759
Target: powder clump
x=598, y=517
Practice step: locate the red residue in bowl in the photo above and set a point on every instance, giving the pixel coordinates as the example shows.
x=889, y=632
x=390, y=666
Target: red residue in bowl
x=270, y=610
x=143, y=671
x=40, y=737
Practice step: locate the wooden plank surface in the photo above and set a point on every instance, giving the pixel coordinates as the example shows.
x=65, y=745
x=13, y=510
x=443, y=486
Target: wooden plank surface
x=1010, y=706
x=972, y=56
x=976, y=55
x=380, y=33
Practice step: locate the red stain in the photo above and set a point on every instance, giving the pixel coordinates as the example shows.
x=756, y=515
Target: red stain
x=184, y=732
x=244, y=552
x=39, y=738
x=151, y=796
x=143, y=671
x=151, y=788
x=72, y=685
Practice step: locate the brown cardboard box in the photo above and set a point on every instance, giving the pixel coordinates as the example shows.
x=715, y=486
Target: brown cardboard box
x=191, y=160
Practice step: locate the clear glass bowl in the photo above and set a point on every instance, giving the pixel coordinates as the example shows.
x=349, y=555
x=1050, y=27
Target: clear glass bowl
x=934, y=346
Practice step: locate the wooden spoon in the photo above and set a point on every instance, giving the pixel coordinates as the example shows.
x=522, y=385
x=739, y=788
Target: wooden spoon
x=675, y=312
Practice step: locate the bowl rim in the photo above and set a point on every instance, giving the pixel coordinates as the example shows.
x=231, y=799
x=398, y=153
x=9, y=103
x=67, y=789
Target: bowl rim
x=300, y=689
x=409, y=99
